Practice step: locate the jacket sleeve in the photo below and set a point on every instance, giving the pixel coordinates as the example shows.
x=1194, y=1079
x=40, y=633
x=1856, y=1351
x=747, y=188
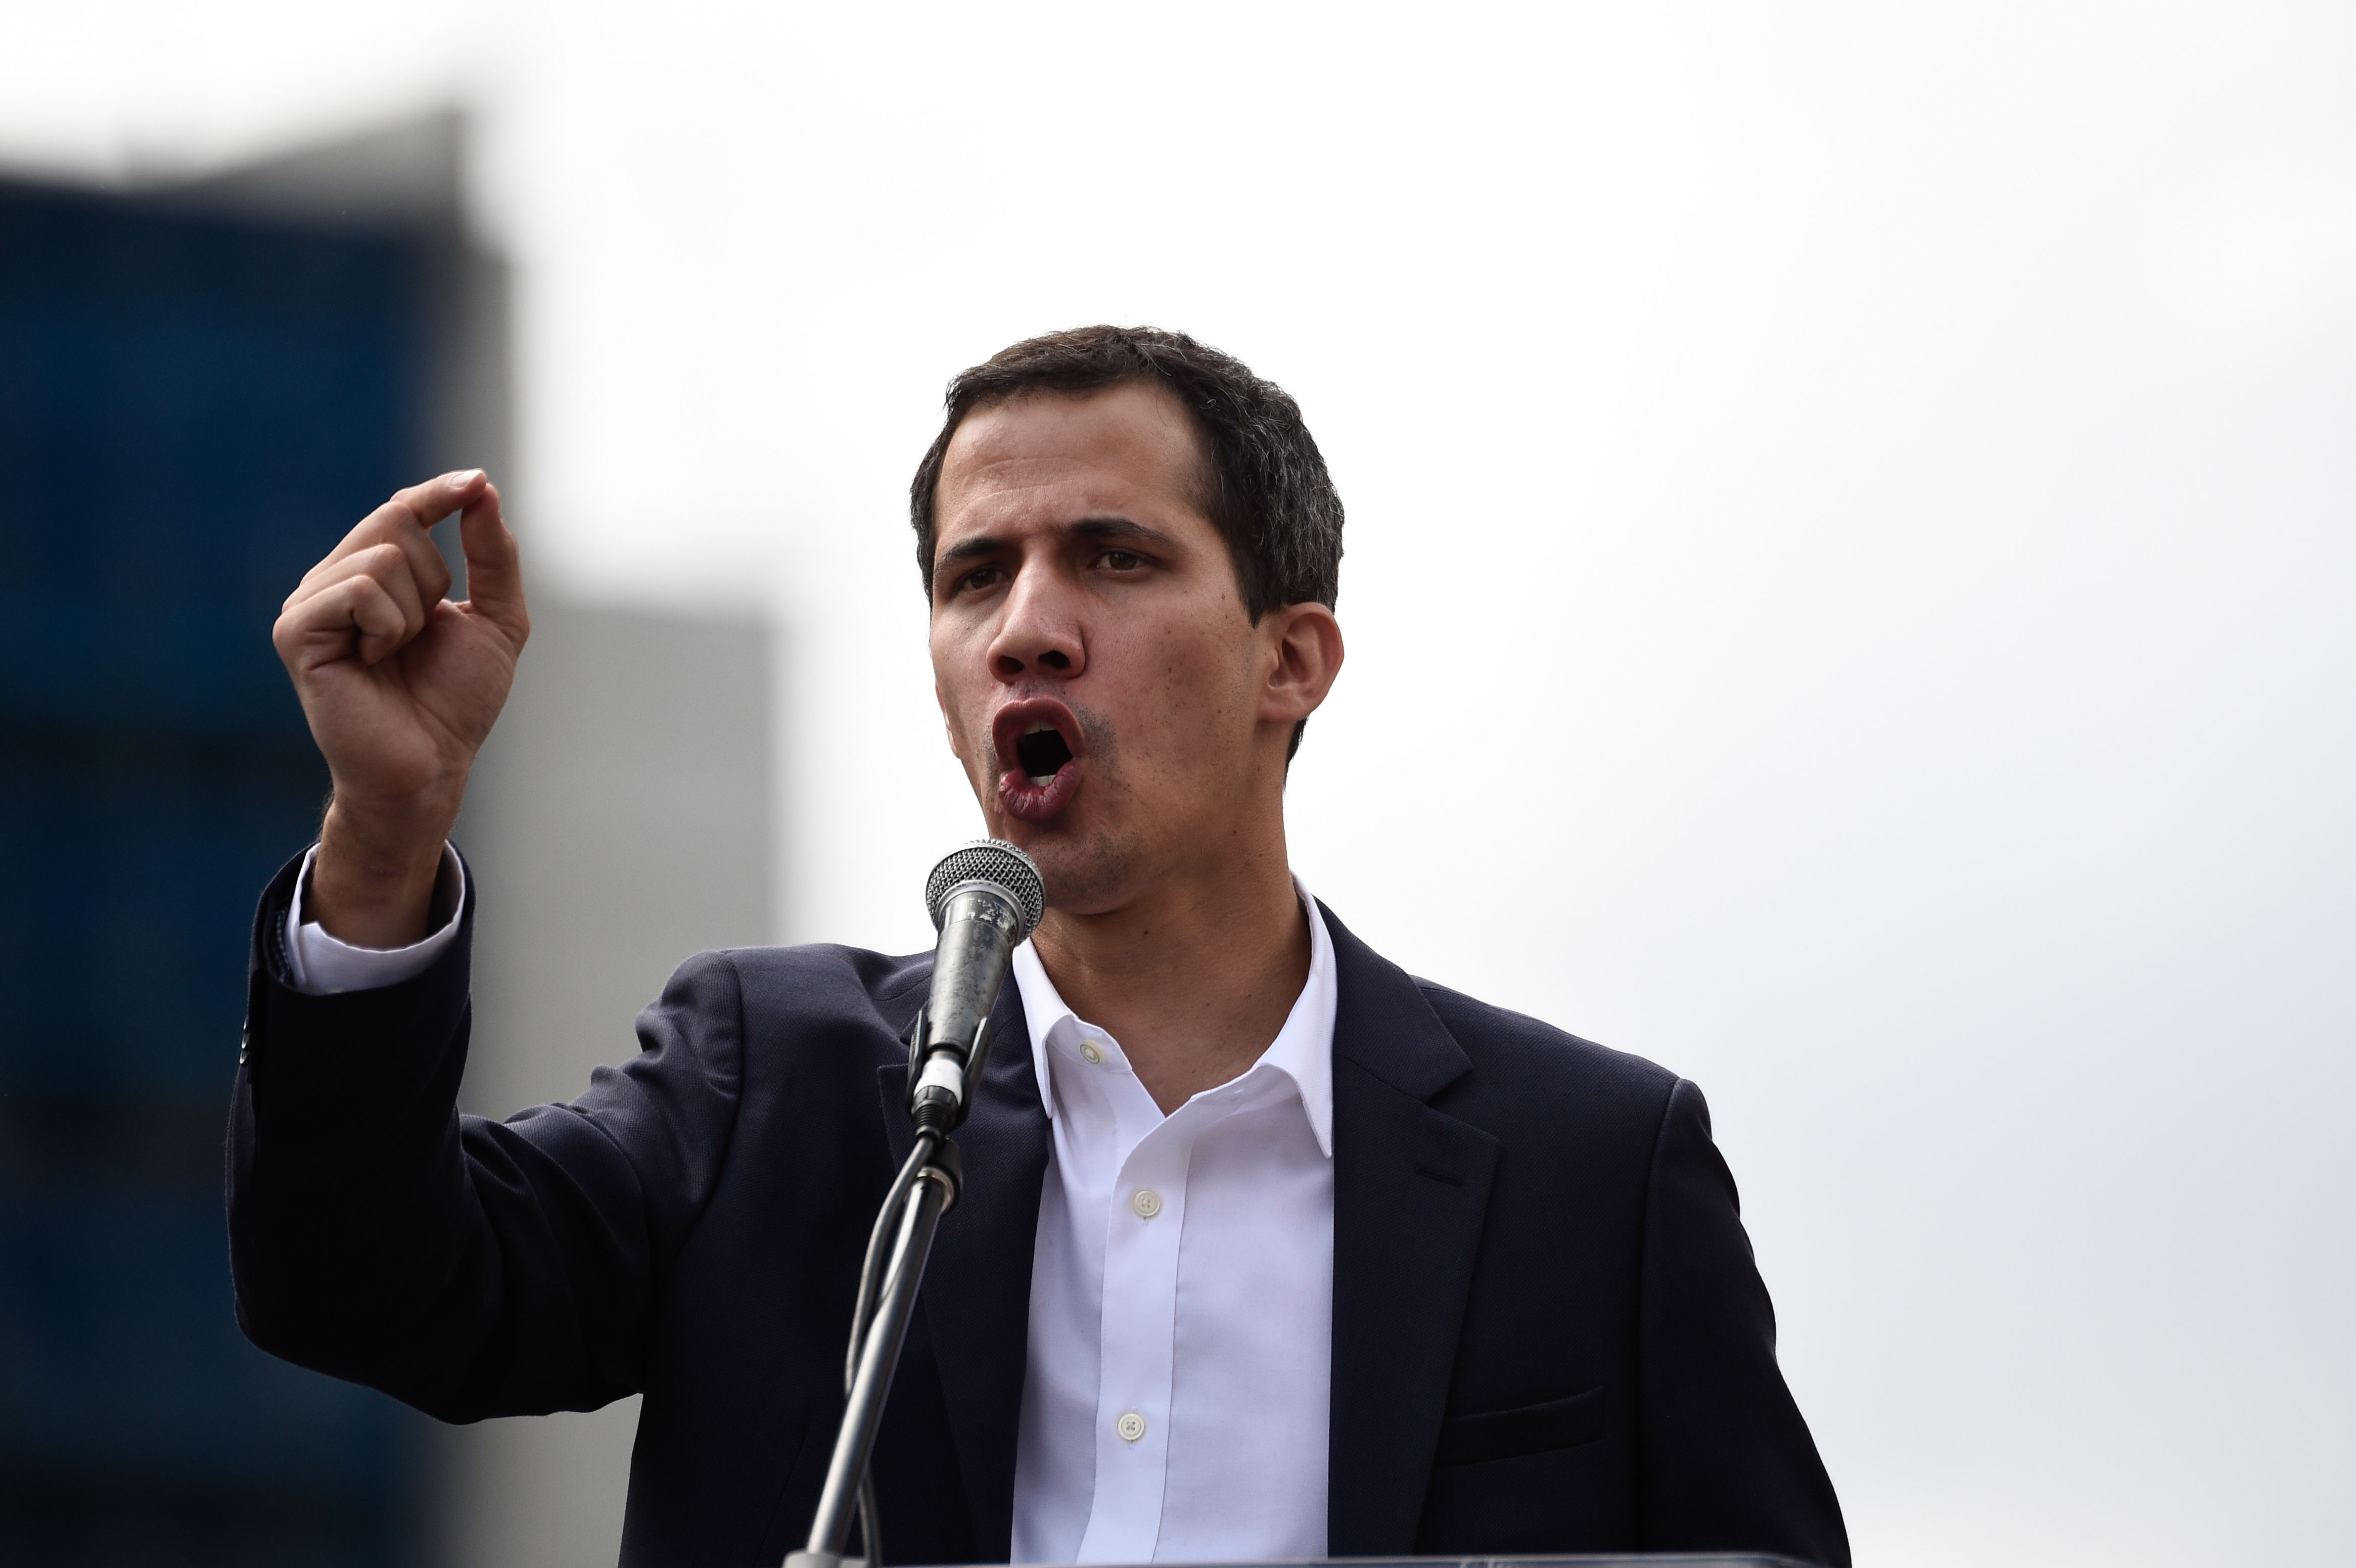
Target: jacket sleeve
x=1725, y=1462
x=467, y=1267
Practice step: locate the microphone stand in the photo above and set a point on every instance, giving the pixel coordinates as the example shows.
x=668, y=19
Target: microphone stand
x=925, y=1189
x=984, y=899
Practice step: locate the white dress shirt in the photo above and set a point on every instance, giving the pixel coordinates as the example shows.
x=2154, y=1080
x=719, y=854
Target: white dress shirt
x=1175, y=1399
x=1175, y=1394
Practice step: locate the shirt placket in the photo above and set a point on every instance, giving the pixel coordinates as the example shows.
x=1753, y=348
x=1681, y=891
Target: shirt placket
x=1145, y=1214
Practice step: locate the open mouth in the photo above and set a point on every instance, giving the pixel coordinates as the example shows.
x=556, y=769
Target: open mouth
x=1042, y=751
x=1038, y=758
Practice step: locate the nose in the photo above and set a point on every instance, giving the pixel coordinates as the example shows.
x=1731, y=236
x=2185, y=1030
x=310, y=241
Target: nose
x=1039, y=635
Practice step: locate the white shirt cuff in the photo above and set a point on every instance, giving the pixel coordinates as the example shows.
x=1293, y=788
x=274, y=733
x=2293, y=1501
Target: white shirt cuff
x=321, y=965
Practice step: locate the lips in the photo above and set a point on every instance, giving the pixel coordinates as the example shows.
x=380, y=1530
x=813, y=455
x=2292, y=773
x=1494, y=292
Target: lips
x=1039, y=756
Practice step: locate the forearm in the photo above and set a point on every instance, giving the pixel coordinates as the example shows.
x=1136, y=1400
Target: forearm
x=373, y=882
x=468, y=1267
x=320, y=963
x=349, y=1205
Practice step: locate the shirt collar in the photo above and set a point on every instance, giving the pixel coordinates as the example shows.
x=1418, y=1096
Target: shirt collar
x=1302, y=1049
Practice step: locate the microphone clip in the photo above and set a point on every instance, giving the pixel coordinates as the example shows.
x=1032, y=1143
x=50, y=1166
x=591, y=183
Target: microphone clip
x=942, y=1072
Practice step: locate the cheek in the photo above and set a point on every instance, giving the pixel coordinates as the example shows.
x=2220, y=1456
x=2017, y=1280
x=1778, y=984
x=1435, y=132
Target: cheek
x=955, y=695
x=1206, y=691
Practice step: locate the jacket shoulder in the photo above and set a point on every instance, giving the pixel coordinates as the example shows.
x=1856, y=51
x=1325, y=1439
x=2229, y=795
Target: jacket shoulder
x=824, y=976
x=1523, y=1055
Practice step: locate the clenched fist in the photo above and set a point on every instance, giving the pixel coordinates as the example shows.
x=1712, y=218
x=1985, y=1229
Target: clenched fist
x=401, y=686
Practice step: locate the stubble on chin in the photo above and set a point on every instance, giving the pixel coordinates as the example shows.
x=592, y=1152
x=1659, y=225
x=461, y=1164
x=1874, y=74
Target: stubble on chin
x=1091, y=874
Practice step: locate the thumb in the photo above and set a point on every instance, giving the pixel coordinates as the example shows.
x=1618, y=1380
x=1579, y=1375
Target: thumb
x=494, y=574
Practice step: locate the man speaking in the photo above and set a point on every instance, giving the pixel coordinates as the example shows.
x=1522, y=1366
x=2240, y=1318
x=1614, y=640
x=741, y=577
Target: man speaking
x=1266, y=1249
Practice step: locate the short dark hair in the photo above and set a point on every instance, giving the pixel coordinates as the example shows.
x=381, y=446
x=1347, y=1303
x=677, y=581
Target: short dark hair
x=1265, y=489
x=1265, y=486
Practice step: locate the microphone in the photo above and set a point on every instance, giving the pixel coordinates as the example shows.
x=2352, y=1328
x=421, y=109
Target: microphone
x=986, y=898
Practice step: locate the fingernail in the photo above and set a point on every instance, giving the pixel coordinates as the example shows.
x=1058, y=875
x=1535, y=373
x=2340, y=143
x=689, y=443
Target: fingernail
x=465, y=477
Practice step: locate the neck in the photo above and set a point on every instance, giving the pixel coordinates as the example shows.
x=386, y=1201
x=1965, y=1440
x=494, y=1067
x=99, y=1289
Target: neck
x=1195, y=977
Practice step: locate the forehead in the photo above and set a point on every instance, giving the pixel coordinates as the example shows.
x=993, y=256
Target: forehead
x=1049, y=457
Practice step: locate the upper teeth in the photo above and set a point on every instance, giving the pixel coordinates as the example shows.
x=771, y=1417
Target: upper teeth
x=1042, y=728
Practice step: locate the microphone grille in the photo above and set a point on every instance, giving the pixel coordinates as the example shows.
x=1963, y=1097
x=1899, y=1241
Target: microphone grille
x=994, y=861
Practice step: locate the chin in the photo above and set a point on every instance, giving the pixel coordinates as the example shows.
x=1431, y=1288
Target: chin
x=1086, y=872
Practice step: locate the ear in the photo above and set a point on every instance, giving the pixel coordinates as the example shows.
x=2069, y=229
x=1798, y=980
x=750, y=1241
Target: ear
x=1304, y=641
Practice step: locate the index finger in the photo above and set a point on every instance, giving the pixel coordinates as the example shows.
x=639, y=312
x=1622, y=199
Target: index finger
x=418, y=507
x=438, y=498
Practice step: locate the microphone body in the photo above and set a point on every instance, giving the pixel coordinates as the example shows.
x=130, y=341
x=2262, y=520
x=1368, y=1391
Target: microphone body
x=985, y=898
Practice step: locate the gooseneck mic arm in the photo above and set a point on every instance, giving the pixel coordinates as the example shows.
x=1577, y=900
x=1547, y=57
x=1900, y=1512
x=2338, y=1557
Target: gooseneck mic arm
x=985, y=899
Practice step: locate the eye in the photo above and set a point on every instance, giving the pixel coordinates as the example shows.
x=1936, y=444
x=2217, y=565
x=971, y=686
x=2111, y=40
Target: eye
x=979, y=578
x=1121, y=561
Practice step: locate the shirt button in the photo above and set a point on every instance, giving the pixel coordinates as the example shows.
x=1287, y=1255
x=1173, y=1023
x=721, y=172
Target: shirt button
x=1130, y=1426
x=1090, y=1054
x=1146, y=1201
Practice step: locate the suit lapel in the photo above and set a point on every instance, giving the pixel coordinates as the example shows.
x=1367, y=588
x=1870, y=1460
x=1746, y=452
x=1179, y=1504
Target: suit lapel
x=976, y=1298
x=1410, y=1193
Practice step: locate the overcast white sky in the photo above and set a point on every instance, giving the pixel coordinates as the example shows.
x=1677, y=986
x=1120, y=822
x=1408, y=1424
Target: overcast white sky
x=1852, y=534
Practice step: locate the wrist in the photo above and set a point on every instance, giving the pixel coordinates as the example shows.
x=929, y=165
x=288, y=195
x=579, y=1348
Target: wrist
x=372, y=882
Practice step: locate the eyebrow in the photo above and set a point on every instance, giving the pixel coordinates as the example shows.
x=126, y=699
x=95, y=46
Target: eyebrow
x=1103, y=529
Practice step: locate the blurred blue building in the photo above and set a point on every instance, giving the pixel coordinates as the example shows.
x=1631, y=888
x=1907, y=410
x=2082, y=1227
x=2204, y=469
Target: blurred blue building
x=200, y=390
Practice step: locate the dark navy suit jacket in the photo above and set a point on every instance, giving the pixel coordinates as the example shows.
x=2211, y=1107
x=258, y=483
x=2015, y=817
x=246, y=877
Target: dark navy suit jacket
x=1549, y=1335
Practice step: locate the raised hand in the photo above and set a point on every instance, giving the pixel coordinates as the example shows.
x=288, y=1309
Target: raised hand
x=400, y=687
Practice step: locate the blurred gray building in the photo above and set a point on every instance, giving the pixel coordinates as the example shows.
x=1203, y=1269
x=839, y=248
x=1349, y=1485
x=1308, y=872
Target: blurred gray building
x=619, y=820
x=251, y=361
